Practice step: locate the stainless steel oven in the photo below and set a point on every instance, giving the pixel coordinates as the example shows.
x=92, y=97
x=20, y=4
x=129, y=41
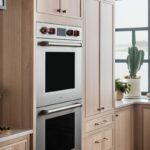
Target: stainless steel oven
x=59, y=127
x=58, y=64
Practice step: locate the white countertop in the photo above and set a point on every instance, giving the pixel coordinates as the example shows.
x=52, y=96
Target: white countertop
x=15, y=134
x=128, y=102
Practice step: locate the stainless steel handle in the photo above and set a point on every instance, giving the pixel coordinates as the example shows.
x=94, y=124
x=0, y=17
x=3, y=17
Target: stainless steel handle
x=47, y=112
x=46, y=43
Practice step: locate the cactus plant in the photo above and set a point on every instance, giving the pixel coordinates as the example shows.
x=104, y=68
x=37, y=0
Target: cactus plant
x=135, y=58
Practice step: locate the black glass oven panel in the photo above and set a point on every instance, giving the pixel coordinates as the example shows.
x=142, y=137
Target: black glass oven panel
x=60, y=71
x=60, y=133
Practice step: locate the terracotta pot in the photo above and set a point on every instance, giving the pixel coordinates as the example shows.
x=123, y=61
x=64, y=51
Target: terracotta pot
x=119, y=95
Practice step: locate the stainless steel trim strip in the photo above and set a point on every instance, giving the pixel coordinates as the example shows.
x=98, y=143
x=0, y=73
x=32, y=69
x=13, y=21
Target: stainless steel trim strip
x=47, y=112
x=46, y=43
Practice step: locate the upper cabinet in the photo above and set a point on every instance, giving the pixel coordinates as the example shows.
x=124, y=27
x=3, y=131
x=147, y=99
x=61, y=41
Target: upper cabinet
x=71, y=8
x=99, y=56
x=60, y=9
x=48, y=6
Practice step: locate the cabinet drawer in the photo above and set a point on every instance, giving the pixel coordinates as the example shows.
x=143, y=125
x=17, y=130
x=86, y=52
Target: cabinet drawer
x=100, y=141
x=98, y=123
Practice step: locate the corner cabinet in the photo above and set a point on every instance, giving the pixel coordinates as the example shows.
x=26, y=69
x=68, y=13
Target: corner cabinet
x=99, y=56
x=142, y=127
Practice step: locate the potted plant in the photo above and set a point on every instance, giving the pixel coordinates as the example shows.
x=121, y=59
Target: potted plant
x=135, y=60
x=121, y=88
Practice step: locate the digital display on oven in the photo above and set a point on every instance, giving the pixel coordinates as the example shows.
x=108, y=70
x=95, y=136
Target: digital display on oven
x=61, y=32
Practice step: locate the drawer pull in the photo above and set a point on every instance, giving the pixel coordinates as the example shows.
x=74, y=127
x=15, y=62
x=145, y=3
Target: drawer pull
x=103, y=122
x=102, y=140
x=105, y=138
x=97, y=124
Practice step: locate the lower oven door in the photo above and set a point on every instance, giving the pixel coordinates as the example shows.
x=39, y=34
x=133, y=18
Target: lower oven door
x=60, y=128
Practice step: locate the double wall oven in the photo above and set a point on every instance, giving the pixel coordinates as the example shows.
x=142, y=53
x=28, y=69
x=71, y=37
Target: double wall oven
x=58, y=87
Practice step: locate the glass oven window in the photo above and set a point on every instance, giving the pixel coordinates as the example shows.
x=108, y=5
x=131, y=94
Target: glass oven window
x=60, y=71
x=60, y=132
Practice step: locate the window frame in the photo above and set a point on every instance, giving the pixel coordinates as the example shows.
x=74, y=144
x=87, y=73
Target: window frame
x=132, y=29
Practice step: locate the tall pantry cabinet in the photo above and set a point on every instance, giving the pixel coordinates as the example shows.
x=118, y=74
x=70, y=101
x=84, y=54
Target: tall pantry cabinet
x=99, y=102
x=99, y=56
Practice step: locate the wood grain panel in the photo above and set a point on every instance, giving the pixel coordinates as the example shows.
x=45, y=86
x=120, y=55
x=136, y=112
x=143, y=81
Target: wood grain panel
x=146, y=129
x=18, y=64
x=106, y=55
x=92, y=57
x=27, y=61
x=124, y=129
x=1, y=52
x=12, y=108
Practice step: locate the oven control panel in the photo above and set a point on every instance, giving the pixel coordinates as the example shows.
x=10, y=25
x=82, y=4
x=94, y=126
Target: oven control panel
x=46, y=30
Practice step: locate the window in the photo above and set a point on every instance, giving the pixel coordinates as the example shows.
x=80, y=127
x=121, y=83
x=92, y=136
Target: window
x=132, y=16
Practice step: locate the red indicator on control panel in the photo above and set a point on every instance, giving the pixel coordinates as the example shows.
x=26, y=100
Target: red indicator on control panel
x=69, y=32
x=44, y=30
x=76, y=33
x=52, y=31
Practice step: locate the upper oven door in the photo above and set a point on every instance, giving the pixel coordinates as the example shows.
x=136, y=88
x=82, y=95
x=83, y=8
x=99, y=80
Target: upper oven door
x=58, y=72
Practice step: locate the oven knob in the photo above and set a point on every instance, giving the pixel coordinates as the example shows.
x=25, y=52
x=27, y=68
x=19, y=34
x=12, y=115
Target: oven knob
x=52, y=31
x=44, y=30
x=76, y=33
x=69, y=32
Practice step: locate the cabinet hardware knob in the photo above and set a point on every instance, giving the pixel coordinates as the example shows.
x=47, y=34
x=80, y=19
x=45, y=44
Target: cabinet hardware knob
x=116, y=115
x=64, y=11
x=102, y=108
x=105, y=138
x=98, y=109
x=96, y=124
x=59, y=10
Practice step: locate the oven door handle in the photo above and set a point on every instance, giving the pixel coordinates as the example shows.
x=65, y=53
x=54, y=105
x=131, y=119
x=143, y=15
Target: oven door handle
x=47, y=112
x=47, y=43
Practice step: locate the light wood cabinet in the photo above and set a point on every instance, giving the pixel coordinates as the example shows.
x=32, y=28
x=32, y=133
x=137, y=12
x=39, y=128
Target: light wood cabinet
x=146, y=128
x=21, y=143
x=66, y=8
x=99, y=56
x=142, y=129
x=124, y=129
x=100, y=141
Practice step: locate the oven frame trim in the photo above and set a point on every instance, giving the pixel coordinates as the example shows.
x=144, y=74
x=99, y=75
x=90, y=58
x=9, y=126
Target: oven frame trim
x=49, y=98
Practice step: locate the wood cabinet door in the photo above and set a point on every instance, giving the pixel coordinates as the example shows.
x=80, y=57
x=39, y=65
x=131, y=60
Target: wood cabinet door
x=94, y=142
x=100, y=141
x=146, y=128
x=92, y=56
x=22, y=145
x=124, y=130
x=48, y=6
x=106, y=55
x=71, y=8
